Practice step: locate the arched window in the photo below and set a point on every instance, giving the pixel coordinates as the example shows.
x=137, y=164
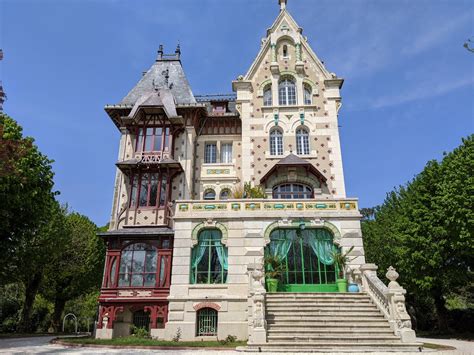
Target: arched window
x=276, y=142
x=267, y=96
x=307, y=94
x=138, y=265
x=206, y=322
x=209, y=194
x=209, y=259
x=302, y=141
x=285, y=51
x=292, y=191
x=287, y=92
x=225, y=194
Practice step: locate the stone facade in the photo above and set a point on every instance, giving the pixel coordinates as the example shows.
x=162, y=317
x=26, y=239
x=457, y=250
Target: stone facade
x=163, y=219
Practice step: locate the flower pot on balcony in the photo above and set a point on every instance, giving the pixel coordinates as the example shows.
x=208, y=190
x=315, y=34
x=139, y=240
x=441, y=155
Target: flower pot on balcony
x=272, y=285
x=341, y=285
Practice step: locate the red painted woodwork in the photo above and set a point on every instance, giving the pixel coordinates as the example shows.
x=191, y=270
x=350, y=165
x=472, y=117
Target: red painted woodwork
x=111, y=313
x=157, y=311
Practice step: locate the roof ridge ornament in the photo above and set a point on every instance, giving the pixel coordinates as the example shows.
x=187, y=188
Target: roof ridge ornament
x=282, y=4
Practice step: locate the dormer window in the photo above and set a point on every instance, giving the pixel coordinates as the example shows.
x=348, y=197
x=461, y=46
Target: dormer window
x=153, y=139
x=219, y=108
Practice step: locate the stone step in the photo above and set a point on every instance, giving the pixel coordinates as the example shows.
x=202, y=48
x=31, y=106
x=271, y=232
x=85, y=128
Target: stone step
x=324, y=338
x=321, y=330
x=330, y=323
x=326, y=320
x=332, y=347
x=319, y=301
x=313, y=307
x=335, y=313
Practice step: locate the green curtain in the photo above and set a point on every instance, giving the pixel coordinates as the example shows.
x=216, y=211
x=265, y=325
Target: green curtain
x=196, y=257
x=321, y=242
x=280, y=246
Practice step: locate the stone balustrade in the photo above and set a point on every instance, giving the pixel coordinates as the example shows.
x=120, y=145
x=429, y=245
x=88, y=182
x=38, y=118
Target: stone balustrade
x=254, y=207
x=389, y=299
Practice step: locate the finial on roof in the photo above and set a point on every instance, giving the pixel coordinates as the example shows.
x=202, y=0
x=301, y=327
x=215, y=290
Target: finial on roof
x=160, y=52
x=282, y=4
x=178, y=50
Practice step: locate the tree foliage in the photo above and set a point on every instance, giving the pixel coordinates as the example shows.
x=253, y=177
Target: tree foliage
x=26, y=193
x=425, y=229
x=75, y=269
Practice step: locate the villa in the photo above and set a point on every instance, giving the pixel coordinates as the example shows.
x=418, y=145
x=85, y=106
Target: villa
x=210, y=187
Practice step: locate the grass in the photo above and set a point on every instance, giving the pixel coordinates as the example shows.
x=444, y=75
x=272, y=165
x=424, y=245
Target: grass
x=134, y=341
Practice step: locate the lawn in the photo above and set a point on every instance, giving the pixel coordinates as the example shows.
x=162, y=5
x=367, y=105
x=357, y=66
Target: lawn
x=135, y=341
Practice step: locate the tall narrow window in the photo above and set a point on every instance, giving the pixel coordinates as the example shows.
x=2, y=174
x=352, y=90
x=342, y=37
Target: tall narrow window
x=285, y=51
x=302, y=141
x=226, y=153
x=307, y=94
x=287, y=92
x=276, y=142
x=210, y=154
x=267, y=96
x=209, y=258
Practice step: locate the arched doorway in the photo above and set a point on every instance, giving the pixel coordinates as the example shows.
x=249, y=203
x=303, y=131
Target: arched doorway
x=308, y=258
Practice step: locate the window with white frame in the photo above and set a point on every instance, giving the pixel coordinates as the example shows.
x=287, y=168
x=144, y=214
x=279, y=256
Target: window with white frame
x=276, y=142
x=210, y=153
x=302, y=141
x=267, y=95
x=307, y=94
x=287, y=92
x=226, y=153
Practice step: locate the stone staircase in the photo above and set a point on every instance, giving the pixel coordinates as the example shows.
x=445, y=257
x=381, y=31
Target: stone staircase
x=327, y=322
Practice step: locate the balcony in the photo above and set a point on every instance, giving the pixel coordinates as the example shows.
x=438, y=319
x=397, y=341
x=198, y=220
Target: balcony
x=269, y=208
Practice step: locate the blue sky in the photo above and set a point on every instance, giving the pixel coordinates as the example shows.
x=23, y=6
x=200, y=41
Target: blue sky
x=408, y=94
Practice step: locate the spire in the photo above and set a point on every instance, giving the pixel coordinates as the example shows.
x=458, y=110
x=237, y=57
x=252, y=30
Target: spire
x=282, y=4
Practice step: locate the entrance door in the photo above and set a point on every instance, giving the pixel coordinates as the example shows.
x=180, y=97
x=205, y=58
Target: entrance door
x=307, y=255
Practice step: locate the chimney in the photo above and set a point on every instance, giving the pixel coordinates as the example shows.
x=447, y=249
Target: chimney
x=160, y=52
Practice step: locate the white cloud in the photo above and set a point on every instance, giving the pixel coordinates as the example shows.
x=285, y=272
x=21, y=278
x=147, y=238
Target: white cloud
x=423, y=91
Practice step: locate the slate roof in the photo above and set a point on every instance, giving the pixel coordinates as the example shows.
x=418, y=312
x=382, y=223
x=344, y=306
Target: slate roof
x=294, y=160
x=208, y=99
x=166, y=74
x=138, y=231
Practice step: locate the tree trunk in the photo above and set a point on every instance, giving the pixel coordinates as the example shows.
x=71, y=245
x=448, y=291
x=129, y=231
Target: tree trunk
x=59, y=304
x=31, y=289
x=441, y=312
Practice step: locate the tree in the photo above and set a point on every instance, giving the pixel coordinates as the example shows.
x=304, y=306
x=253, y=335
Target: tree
x=425, y=229
x=76, y=268
x=26, y=182
x=27, y=201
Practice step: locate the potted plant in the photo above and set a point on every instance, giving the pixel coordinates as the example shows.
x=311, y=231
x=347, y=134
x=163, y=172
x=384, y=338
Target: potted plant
x=341, y=261
x=273, y=270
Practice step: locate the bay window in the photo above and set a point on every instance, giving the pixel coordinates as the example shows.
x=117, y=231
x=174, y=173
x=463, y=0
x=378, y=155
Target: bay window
x=153, y=139
x=148, y=189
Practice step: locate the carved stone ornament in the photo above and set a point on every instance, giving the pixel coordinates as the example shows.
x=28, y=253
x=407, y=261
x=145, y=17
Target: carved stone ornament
x=392, y=274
